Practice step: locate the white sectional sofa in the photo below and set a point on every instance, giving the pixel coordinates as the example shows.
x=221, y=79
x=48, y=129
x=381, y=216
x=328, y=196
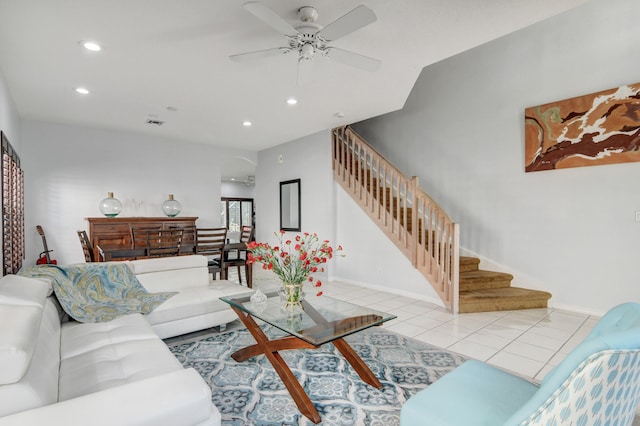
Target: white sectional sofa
x=112, y=373
x=197, y=306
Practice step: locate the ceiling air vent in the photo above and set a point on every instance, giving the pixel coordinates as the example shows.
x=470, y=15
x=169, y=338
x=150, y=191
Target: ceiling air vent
x=154, y=122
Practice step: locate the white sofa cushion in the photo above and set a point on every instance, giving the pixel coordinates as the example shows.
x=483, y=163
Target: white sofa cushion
x=113, y=365
x=78, y=338
x=189, y=325
x=160, y=264
x=179, y=398
x=39, y=385
x=172, y=273
x=191, y=302
x=17, y=290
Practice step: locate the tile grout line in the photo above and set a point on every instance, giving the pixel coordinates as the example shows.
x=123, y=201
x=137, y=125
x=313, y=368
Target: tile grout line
x=563, y=345
x=501, y=350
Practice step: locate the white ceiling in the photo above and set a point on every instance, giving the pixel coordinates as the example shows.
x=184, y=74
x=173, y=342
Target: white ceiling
x=174, y=53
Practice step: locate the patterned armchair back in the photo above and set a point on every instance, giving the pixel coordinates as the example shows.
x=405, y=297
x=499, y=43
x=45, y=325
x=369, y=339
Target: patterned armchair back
x=604, y=390
x=598, y=382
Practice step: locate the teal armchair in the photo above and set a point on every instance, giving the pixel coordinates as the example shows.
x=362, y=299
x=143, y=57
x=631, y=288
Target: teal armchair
x=598, y=383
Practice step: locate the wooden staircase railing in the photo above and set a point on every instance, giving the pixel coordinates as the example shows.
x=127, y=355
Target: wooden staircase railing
x=420, y=228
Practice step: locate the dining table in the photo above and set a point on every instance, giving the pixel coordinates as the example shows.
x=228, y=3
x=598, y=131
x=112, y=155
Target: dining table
x=108, y=253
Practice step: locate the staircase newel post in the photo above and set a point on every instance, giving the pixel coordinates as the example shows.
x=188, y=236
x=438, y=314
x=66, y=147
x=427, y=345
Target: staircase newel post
x=415, y=184
x=455, y=269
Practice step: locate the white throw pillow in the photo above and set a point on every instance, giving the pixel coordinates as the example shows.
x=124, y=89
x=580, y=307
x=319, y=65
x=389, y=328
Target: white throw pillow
x=18, y=336
x=22, y=301
x=17, y=290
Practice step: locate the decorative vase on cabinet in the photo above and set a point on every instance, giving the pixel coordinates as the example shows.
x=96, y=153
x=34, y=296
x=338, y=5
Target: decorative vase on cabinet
x=171, y=207
x=110, y=207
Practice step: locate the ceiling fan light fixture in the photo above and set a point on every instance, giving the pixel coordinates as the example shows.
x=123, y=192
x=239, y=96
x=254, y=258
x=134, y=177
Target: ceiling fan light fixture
x=292, y=101
x=82, y=90
x=91, y=46
x=247, y=123
x=307, y=51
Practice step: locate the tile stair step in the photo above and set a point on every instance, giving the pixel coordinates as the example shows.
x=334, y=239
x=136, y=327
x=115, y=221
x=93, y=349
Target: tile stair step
x=502, y=299
x=477, y=280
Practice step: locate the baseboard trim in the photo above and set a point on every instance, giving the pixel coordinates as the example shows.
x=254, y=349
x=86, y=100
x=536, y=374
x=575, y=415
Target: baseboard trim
x=410, y=294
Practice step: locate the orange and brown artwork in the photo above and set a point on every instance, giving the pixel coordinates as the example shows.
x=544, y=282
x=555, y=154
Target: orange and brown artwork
x=590, y=130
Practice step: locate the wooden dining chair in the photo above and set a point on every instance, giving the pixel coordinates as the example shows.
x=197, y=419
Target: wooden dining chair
x=188, y=243
x=157, y=242
x=140, y=236
x=87, y=247
x=238, y=257
x=210, y=243
x=164, y=243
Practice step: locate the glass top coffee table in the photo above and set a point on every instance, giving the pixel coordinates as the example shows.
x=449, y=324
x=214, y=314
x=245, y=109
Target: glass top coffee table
x=321, y=320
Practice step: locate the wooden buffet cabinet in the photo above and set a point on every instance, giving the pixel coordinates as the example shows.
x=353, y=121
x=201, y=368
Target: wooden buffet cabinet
x=116, y=231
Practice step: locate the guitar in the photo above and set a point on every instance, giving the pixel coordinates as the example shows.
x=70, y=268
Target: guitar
x=44, y=258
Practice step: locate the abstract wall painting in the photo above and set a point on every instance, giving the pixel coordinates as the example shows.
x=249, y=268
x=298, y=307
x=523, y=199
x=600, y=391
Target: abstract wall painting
x=590, y=130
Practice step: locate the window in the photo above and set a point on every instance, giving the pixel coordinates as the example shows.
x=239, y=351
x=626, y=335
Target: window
x=236, y=213
x=12, y=209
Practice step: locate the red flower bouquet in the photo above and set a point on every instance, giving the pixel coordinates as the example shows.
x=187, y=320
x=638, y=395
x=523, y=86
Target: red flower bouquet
x=293, y=261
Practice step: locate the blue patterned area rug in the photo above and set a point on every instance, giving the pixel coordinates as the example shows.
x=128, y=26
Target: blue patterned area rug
x=251, y=393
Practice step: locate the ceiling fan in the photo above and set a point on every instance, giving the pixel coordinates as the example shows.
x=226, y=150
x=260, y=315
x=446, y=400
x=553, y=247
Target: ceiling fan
x=310, y=40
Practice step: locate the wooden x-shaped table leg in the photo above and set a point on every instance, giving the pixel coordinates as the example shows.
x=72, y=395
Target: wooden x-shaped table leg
x=347, y=351
x=270, y=349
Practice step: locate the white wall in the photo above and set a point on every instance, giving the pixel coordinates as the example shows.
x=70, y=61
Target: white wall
x=69, y=169
x=372, y=260
x=308, y=159
x=571, y=232
x=237, y=190
x=9, y=120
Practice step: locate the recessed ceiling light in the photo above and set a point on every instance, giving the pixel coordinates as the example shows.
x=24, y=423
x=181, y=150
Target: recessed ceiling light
x=82, y=90
x=91, y=45
x=292, y=101
x=247, y=123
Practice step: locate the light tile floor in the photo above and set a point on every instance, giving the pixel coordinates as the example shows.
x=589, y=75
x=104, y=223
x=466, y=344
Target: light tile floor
x=527, y=342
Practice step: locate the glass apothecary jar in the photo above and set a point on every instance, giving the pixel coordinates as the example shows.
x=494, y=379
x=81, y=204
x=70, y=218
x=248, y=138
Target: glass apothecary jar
x=110, y=206
x=171, y=207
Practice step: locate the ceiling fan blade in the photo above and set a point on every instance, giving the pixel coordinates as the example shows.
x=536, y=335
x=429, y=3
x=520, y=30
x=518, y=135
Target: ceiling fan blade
x=270, y=18
x=353, y=59
x=259, y=54
x=348, y=23
x=305, y=71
